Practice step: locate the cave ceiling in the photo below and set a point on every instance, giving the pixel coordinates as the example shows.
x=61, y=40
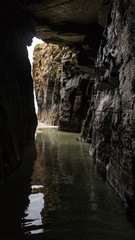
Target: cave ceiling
x=68, y=21
x=72, y=22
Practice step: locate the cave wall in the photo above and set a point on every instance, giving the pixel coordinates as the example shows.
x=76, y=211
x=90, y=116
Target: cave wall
x=110, y=121
x=62, y=87
x=17, y=113
x=20, y=20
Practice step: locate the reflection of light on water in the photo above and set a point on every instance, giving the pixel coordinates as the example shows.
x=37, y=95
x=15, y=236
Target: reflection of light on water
x=33, y=212
x=36, y=186
x=35, y=102
x=36, y=231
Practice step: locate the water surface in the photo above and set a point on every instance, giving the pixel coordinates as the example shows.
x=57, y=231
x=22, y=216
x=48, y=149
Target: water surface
x=59, y=195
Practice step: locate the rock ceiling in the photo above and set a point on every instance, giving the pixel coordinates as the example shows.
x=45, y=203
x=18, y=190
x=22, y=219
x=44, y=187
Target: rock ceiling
x=62, y=21
x=68, y=21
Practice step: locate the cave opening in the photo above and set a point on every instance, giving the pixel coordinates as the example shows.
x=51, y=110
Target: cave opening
x=62, y=85
x=87, y=87
x=35, y=41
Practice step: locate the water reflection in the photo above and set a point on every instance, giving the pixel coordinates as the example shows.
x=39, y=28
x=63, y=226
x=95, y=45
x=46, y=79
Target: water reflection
x=64, y=198
x=33, y=212
x=14, y=196
x=73, y=202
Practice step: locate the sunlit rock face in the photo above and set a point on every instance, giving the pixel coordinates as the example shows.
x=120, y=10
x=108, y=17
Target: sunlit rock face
x=111, y=115
x=62, y=87
x=46, y=74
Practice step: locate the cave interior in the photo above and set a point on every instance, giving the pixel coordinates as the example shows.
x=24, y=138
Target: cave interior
x=102, y=33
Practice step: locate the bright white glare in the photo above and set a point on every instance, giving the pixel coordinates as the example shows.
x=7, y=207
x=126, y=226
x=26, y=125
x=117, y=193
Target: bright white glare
x=36, y=186
x=30, y=49
x=33, y=212
x=35, y=102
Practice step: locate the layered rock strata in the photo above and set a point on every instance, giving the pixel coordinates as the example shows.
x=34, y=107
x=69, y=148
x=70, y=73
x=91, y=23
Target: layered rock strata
x=62, y=87
x=110, y=121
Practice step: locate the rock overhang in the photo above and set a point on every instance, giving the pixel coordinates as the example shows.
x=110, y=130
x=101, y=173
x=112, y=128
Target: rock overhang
x=63, y=22
x=67, y=22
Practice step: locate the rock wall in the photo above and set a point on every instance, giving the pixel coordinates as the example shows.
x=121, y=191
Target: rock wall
x=19, y=21
x=110, y=120
x=63, y=89
x=17, y=113
x=46, y=71
x=109, y=124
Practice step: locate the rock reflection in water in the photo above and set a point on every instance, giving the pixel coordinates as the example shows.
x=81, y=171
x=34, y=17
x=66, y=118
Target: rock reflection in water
x=73, y=201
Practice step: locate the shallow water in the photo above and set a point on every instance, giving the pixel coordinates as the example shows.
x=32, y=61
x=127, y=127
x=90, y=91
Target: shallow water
x=58, y=194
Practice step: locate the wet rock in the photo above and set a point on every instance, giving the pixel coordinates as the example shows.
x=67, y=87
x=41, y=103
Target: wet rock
x=111, y=115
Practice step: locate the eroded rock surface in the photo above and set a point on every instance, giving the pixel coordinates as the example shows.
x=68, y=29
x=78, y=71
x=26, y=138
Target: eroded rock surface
x=46, y=72
x=62, y=87
x=111, y=115
x=69, y=22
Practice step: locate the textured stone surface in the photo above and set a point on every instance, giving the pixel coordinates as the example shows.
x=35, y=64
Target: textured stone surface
x=46, y=74
x=74, y=84
x=67, y=21
x=64, y=22
x=62, y=87
x=111, y=115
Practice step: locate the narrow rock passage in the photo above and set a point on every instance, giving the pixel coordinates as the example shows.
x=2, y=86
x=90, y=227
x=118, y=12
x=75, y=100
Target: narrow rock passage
x=60, y=195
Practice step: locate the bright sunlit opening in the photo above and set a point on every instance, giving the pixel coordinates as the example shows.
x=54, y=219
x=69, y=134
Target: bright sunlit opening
x=30, y=49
